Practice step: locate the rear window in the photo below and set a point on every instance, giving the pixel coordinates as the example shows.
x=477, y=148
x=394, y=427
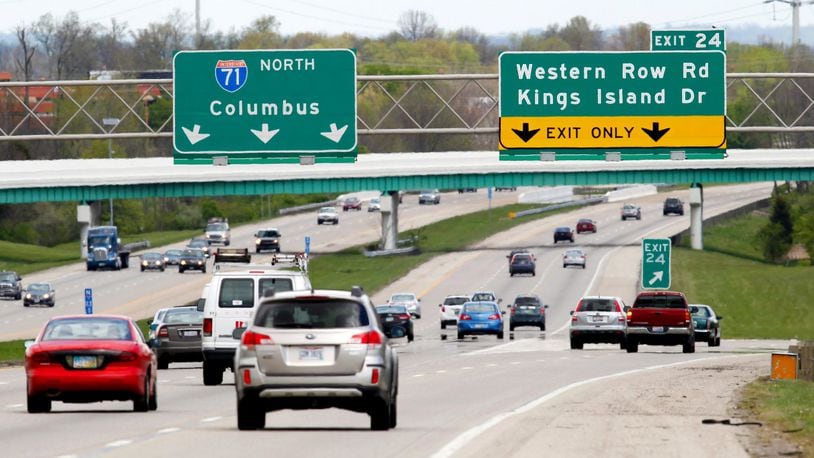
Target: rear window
x=316, y=314
x=483, y=297
x=660, y=302
x=391, y=309
x=701, y=312
x=183, y=317
x=526, y=301
x=597, y=305
x=455, y=300
x=87, y=329
x=280, y=285
x=480, y=308
x=402, y=298
x=522, y=258
x=236, y=292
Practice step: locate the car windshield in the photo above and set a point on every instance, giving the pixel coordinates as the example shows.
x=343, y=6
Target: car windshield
x=99, y=240
x=39, y=288
x=527, y=300
x=479, y=308
x=173, y=253
x=7, y=276
x=312, y=314
x=562, y=229
x=660, y=302
x=391, y=309
x=192, y=254
x=483, y=297
x=268, y=233
x=701, y=312
x=216, y=227
x=375, y=201
x=597, y=305
x=87, y=329
x=630, y=207
x=672, y=201
x=197, y=243
x=428, y=191
x=351, y=200
x=574, y=253
x=584, y=221
x=402, y=298
x=521, y=258
x=456, y=300
x=151, y=256
x=185, y=316
x=327, y=210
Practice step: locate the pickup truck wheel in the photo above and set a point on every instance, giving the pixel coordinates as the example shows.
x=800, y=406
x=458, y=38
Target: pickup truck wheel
x=576, y=344
x=460, y=335
x=212, y=374
x=500, y=335
x=632, y=346
x=689, y=345
x=443, y=324
x=249, y=417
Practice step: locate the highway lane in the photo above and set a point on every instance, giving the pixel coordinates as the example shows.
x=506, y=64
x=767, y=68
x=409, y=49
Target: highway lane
x=133, y=293
x=446, y=387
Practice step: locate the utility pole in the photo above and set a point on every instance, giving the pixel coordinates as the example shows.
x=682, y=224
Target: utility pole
x=795, y=17
x=197, y=24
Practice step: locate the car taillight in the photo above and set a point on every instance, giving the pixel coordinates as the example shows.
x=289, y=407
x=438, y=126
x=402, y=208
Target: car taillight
x=579, y=305
x=247, y=377
x=126, y=356
x=629, y=314
x=371, y=337
x=619, y=310
x=404, y=316
x=374, y=377
x=513, y=310
x=207, y=327
x=250, y=339
x=40, y=358
x=687, y=317
x=464, y=317
x=494, y=316
x=443, y=309
x=163, y=332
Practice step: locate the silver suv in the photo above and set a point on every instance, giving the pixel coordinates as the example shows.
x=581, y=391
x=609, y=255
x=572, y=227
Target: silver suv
x=11, y=285
x=599, y=319
x=315, y=350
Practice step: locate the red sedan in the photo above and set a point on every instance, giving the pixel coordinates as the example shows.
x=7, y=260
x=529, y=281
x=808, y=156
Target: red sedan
x=90, y=358
x=586, y=225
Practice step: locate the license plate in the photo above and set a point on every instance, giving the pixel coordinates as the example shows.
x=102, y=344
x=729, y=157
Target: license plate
x=192, y=333
x=390, y=318
x=657, y=329
x=311, y=355
x=598, y=319
x=480, y=326
x=84, y=362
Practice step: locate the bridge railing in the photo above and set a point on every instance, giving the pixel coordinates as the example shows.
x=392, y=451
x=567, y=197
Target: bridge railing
x=387, y=105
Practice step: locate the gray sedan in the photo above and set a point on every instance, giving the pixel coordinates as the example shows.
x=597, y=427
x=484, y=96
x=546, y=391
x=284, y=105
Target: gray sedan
x=39, y=294
x=177, y=336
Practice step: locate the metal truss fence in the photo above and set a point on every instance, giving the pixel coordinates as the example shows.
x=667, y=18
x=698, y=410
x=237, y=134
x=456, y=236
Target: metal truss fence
x=779, y=103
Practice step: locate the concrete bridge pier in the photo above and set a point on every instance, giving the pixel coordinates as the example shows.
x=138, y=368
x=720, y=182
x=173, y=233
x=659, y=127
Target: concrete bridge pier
x=84, y=215
x=390, y=220
x=697, y=216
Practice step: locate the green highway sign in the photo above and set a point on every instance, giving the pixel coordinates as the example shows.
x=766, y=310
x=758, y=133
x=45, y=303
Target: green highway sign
x=656, y=263
x=688, y=40
x=259, y=104
x=552, y=101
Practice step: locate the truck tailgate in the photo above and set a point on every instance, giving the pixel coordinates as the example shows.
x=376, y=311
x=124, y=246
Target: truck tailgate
x=669, y=317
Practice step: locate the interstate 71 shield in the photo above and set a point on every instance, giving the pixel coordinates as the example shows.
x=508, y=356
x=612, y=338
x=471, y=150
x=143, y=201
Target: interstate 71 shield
x=231, y=75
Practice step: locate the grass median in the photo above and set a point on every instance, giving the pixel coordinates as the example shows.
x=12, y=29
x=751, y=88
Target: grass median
x=785, y=407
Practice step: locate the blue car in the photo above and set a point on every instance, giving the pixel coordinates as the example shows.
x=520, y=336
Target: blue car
x=478, y=318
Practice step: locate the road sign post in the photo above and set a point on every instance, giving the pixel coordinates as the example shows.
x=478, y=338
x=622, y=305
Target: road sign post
x=88, y=301
x=583, y=105
x=258, y=106
x=656, y=255
x=307, y=245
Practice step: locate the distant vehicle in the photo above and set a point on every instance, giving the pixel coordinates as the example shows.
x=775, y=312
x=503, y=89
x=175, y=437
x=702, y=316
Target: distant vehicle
x=660, y=318
x=267, y=239
x=105, y=249
x=631, y=211
x=527, y=310
x=39, y=293
x=478, y=318
x=333, y=353
x=586, y=225
x=327, y=215
x=393, y=317
x=192, y=259
x=408, y=300
x=563, y=233
x=463, y=190
x=152, y=261
x=11, y=285
x=352, y=203
x=707, y=324
x=504, y=188
x=485, y=296
x=598, y=319
x=673, y=205
x=200, y=244
x=172, y=257
x=236, y=255
x=218, y=232
x=522, y=263
x=520, y=251
x=451, y=308
x=374, y=205
x=574, y=257
x=178, y=336
x=153, y=325
x=429, y=196
x=90, y=358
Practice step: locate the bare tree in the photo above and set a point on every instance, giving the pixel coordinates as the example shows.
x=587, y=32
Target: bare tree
x=632, y=37
x=581, y=36
x=416, y=25
x=23, y=59
x=153, y=46
x=263, y=33
x=111, y=47
x=67, y=45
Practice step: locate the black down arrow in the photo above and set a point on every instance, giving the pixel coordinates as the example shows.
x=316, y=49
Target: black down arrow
x=526, y=134
x=655, y=133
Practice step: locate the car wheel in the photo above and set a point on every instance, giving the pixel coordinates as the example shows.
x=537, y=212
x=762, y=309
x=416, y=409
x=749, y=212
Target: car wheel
x=533, y=273
x=623, y=218
x=576, y=344
x=380, y=415
x=142, y=269
x=632, y=346
x=443, y=337
x=500, y=335
x=212, y=374
x=542, y=327
x=203, y=270
x=443, y=324
x=410, y=337
x=180, y=270
x=583, y=266
x=142, y=403
x=564, y=266
x=622, y=345
x=511, y=274
x=278, y=249
x=52, y=304
x=249, y=417
x=639, y=217
x=689, y=345
x=511, y=327
x=393, y=412
x=25, y=304
x=257, y=251
x=38, y=404
x=164, y=362
x=319, y=223
x=460, y=335
x=418, y=317
x=153, y=405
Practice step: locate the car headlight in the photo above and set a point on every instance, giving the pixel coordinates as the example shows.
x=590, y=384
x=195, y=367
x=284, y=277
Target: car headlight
x=200, y=263
x=183, y=263
x=143, y=263
x=257, y=242
x=158, y=263
x=28, y=296
x=166, y=259
x=46, y=296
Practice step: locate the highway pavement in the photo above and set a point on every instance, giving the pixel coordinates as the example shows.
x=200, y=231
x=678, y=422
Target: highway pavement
x=451, y=392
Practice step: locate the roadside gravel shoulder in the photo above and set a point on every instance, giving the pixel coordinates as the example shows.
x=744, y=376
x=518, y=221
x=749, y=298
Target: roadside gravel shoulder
x=651, y=412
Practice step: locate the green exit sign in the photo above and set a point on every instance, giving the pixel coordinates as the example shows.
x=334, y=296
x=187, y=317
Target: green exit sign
x=688, y=40
x=263, y=105
x=656, y=263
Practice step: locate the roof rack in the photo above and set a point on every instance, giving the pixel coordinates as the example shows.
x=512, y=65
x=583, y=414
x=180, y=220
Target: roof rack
x=233, y=255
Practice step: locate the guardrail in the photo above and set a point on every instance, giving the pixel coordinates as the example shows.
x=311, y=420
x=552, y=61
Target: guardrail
x=134, y=246
x=576, y=203
x=302, y=208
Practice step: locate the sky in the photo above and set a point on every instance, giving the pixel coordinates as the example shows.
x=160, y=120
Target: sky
x=378, y=17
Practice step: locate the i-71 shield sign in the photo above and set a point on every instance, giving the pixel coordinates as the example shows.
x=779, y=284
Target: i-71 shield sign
x=656, y=263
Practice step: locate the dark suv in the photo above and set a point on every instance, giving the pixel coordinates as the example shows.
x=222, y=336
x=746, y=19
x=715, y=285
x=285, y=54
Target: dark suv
x=527, y=310
x=673, y=205
x=563, y=233
x=11, y=285
x=267, y=239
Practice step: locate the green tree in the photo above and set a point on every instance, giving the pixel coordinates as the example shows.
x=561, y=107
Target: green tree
x=777, y=234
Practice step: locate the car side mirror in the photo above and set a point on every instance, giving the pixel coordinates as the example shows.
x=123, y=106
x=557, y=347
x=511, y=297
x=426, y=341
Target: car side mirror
x=499, y=301
x=149, y=322
x=545, y=306
x=257, y=234
x=509, y=306
x=28, y=343
x=693, y=309
x=237, y=333
x=502, y=312
x=626, y=308
x=571, y=313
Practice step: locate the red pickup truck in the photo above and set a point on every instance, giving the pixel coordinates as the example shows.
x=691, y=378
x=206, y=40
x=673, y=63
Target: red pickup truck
x=660, y=318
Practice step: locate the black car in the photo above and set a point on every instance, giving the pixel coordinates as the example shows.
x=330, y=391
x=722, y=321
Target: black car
x=199, y=244
x=192, y=260
x=39, y=293
x=267, y=239
x=463, y=190
x=563, y=233
x=527, y=310
x=152, y=261
x=172, y=257
x=394, y=317
x=673, y=205
x=522, y=263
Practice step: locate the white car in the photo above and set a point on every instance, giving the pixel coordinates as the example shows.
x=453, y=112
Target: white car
x=485, y=296
x=451, y=308
x=374, y=205
x=408, y=300
x=327, y=215
x=574, y=257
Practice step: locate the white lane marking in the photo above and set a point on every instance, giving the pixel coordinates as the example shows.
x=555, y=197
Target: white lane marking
x=515, y=362
x=463, y=439
x=119, y=443
x=67, y=456
x=210, y=419
x=3, y=383
x=467, y=368
x=190, y=377
x=418, y=375
x=442, y=371
x=14, y=406
x=168, y=430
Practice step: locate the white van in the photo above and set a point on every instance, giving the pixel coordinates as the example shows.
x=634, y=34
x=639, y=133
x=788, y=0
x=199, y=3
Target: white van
x=231, y=297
